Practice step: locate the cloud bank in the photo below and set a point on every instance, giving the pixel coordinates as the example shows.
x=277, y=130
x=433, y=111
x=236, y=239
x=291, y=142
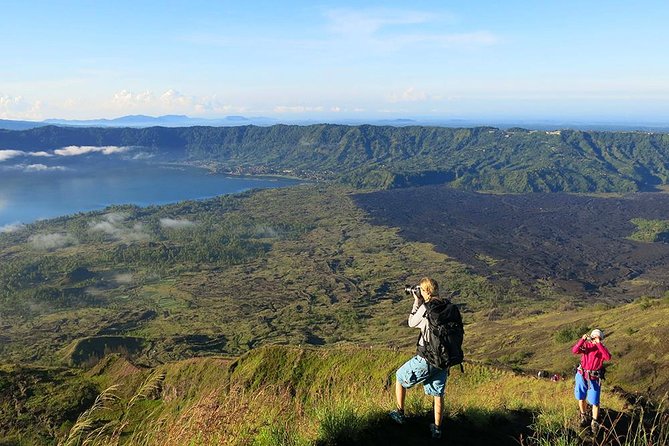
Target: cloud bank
x=171, y=223
x=11, y=227
x=51, y=241
x=17, y=107
x=114, y=225
x=28, y=168
x=68, y=151
x=82, y=150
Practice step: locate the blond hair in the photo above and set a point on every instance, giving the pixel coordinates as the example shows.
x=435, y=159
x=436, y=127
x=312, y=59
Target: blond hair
x=430, y=286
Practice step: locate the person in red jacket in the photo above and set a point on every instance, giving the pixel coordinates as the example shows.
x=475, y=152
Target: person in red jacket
x=588, y=376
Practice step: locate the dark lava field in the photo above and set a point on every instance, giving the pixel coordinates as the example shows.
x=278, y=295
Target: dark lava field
x=578, y=243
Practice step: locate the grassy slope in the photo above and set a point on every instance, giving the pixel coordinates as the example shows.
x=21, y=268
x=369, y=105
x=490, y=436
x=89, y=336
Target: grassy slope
x=635, y=336
x=290, y=395
x=337, y=280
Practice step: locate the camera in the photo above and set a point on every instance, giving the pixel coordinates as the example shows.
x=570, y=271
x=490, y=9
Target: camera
x=412, y=289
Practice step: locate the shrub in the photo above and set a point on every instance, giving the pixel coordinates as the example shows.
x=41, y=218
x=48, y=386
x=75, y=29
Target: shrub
x=570, y=333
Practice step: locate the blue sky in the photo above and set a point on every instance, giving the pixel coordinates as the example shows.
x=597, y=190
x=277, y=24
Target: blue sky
x=576, y=60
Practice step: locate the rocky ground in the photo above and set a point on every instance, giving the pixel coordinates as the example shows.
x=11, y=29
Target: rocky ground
x=576, y=243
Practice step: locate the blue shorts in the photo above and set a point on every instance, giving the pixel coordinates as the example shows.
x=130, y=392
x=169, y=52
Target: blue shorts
x=590, y=388
x=417, y=371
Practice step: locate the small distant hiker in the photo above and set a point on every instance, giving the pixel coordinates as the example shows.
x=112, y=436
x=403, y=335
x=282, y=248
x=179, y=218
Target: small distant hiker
x=589, y=375
x=437, y=319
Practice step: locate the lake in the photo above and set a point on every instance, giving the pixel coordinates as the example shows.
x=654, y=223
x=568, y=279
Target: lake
x=26, y=196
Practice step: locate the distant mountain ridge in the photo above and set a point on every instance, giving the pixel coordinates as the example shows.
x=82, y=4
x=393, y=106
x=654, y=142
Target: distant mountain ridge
x=143, y=121
x=162, y=121
x=481, y=158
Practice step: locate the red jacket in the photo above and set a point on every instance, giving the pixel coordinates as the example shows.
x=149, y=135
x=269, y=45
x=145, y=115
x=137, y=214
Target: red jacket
x=594, y=355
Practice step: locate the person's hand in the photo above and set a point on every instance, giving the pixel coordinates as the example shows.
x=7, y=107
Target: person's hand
x=585, y=337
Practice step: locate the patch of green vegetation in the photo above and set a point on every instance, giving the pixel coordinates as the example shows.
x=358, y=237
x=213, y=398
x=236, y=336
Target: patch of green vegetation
x=482, y=158
x=291, y=266
x=650, y=230
x=570, y=334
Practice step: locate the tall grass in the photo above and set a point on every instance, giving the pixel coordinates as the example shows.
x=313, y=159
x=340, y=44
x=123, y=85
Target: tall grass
x=301, y=396
x=643, y=426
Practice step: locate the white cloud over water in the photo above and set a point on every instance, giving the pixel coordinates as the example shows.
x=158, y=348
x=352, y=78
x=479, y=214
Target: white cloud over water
x=9, y=154
x=82, y=150
x=30, y=168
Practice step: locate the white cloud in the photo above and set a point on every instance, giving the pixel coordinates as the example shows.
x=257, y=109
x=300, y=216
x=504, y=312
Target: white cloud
x=123, y=278
x=17, y=107
x=172, y=98
x=30, y=168
x=409, y=95
x=51, y=241
x=113, y=224
x=125, y=98
x=116, y=217
x=9, y=154
x=368, y=21
x=82, y=150
x=11, y=227
x=176, y=223
x=395, y=29
x=171, y=101
x=41, y=168
x=297, y=108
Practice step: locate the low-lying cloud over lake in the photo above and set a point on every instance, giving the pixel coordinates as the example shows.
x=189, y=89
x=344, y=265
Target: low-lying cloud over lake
x=8, y=154
x=83, y=150
x=34, y=168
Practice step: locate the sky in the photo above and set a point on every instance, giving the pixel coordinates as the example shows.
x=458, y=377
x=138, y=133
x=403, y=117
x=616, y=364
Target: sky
x=589, y=60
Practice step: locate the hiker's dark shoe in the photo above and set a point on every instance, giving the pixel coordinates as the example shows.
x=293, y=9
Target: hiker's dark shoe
x=398, y=416
x=583, y=420
x=594, y=426
x=435, y=431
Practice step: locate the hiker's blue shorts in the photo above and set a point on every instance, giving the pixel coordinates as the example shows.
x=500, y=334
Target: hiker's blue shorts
x=590, y=388
x=417, y=371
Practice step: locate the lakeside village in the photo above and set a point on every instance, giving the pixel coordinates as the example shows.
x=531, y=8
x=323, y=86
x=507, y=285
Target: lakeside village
x=264, y=170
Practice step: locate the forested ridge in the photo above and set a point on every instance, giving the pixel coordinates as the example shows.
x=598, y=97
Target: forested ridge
x=482, y=158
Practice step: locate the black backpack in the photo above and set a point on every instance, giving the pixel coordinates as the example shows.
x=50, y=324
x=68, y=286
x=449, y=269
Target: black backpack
x=443, y=346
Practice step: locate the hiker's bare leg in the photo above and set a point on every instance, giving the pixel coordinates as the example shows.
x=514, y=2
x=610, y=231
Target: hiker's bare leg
x=581, y=406
x=400, y=393
x=438, y=407
x=595, y=412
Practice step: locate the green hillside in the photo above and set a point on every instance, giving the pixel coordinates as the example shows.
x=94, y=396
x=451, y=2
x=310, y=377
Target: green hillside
x=289, y=395
x=482, y=158
x=294, y=266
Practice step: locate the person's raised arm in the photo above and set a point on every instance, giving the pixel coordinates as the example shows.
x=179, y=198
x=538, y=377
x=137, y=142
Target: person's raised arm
x=606, y=355
x=417, y=312
x=578, y=347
